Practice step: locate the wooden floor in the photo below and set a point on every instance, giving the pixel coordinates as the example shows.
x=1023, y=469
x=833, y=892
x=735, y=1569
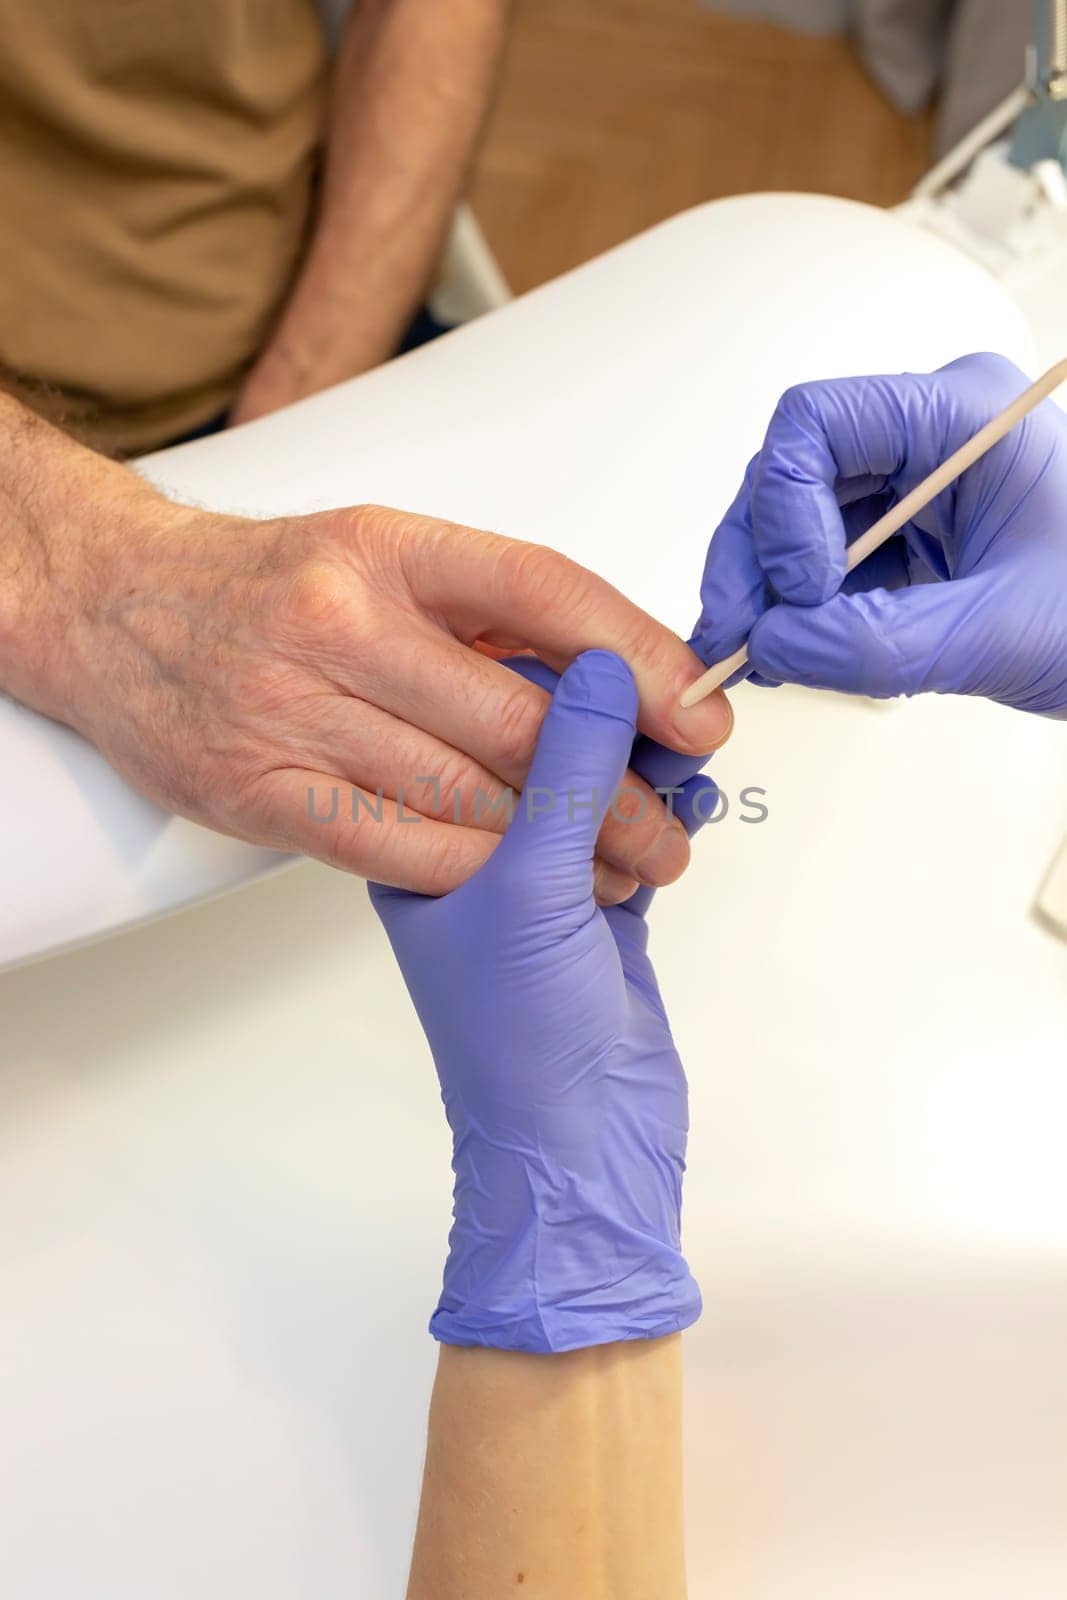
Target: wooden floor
x=614, y=114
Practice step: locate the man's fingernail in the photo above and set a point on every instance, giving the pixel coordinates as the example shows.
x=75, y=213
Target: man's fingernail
x=666, y=860
x=704, y=727
x=611, y=888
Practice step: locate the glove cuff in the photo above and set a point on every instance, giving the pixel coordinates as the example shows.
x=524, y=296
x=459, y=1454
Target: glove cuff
x=567, y=1217
x=552, y=1330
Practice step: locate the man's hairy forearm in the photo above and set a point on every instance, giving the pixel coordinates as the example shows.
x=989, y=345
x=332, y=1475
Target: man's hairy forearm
x=411, y=86
x=560, y=1473
x=63, y=509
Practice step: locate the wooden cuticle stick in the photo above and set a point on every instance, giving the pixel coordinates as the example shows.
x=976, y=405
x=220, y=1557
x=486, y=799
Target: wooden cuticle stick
x=895, y=518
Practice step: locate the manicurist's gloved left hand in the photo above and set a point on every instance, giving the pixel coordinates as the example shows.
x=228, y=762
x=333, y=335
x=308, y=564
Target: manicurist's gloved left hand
x=563, y=1089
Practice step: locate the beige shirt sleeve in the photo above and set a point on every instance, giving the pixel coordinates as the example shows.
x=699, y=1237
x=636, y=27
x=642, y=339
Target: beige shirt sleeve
x=157, y=167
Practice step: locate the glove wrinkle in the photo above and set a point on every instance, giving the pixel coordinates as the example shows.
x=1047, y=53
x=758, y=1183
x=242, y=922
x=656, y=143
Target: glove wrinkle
x=563, y=1090
x=983, y=610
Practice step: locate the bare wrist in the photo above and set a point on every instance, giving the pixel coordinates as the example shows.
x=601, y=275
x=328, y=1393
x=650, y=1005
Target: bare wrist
x=64, y=510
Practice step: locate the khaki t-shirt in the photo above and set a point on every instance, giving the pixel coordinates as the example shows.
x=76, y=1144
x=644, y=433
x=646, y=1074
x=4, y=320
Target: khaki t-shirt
x=157, y=159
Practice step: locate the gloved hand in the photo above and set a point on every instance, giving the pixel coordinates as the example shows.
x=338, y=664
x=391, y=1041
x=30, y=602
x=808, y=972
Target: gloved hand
x=563, y=1089
x=970, y=598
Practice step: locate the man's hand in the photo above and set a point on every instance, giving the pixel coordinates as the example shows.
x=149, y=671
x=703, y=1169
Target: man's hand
x=410, y=89
x=240, y=672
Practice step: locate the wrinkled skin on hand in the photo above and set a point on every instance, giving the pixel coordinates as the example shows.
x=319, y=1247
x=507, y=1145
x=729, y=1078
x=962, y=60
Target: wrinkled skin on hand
x=239, y=672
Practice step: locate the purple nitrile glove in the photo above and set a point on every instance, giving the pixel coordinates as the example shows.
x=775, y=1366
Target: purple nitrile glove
x=562, y=1086
x=971, y=596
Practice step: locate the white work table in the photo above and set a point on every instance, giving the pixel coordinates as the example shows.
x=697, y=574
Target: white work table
x=224, y=1181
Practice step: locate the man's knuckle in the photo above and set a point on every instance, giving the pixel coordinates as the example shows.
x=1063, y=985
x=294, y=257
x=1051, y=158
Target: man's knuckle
x=346, y=528
x=339, y=842
x=453, y=860
x=517, y=719
x=438, y=793
x=250, y=807
x=545, y=578
x=631, y=802
x=379, y=534
x=314, y=596
x=343, y=850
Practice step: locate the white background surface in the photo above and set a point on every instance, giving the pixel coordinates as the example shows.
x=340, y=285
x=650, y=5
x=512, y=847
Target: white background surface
x=224, y=1176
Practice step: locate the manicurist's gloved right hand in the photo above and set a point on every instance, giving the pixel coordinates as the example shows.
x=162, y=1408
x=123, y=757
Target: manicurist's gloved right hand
x=971, y=597
x=563, y=1089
